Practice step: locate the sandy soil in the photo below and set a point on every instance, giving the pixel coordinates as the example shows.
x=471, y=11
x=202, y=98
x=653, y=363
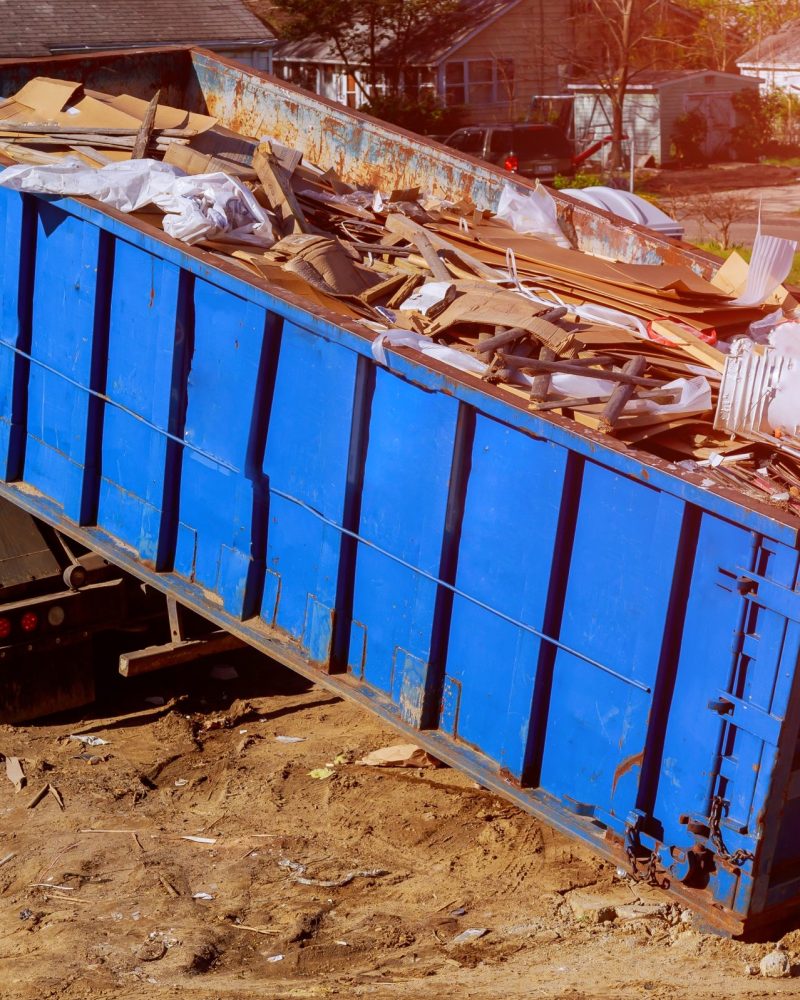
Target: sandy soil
x=88, y=914
x=719, y=177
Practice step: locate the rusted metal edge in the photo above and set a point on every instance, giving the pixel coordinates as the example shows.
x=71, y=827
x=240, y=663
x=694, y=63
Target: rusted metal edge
x=786, y=525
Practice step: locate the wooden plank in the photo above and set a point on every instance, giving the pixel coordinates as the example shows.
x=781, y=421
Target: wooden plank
x=417, y=235
x=277, y=186
x=620, y=396
x=692, y=345
x=142, y=140
x=567, y=368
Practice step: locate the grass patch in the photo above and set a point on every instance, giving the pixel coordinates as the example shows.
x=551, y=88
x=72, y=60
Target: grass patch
x=787, y=161
x=711, y=246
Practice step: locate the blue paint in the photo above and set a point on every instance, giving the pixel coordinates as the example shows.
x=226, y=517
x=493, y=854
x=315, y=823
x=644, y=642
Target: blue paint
x=531, y=603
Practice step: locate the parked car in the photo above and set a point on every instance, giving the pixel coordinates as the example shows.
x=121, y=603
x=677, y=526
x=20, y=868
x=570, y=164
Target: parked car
x=530, y=150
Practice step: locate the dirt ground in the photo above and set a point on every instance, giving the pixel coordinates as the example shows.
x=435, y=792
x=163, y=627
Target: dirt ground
x=101, y=899
x=718, y=177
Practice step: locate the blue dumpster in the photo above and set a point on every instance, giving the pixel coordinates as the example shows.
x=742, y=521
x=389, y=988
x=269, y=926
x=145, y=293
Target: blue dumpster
x=592, y=633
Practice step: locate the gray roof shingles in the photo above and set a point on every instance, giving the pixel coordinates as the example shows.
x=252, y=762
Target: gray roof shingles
x=470, y=16
x=38, y=27
x=780, y=49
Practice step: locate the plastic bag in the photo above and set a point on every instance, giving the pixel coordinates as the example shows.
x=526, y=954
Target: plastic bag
x=531, y=212
x=198, y=206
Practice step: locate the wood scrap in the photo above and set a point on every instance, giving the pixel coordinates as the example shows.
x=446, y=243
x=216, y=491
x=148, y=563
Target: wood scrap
x=620, y=396
x=142, y=139
x=540, y=383
x=277, y=185
x=514, y=301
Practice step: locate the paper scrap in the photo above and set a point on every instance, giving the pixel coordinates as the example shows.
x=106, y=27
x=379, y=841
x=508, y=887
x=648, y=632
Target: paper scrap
x=470, y=935
x=90, y=741
x=15, y=773
x=401, y=755
x=426, y=297
x=201, y=840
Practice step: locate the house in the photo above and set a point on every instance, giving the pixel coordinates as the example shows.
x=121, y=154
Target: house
x=56, y=27
x=776, y=59
x=655, y=102
x=498, y=54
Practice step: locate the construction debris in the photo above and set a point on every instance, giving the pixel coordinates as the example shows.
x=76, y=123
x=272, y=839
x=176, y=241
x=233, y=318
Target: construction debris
x=15, y=773
x=695, y=371
x=298, y=875
x=403, y=755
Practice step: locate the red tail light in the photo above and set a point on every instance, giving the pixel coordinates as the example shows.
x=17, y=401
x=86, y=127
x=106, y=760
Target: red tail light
x=511, y=163
x=5, y=628
x=29, y=622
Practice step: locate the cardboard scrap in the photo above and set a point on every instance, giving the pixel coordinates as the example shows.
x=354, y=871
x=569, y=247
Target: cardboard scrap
x=356, y=254
x=401, y=755
x=48, y=96
x=15, y=773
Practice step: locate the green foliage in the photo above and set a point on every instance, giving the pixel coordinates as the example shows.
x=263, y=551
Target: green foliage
x=578, y=181
x=421, y=114
x=758, y=115
x=689, y=137
x=384, y=36
x=712, y=246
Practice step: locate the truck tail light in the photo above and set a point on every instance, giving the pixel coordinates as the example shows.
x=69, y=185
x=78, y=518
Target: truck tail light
x=5, y=627
x=56, y=616
x=29, y=621
x=511, y=163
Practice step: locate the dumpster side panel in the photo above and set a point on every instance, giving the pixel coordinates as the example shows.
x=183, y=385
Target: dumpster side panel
x=509, y=540
x=137, y=72
x=305, y=464
x=133, y=450
x=588, y=636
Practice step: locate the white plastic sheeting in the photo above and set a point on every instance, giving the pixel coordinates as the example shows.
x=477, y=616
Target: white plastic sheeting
x=531, y=212
x=628, y=206
x=760, y=390
x=770, y=264
x=197, y=206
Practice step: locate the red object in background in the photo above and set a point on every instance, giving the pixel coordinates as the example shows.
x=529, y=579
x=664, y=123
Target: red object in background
x=29, y=621
x=5, y=628
x=511, y=163
x=708, y=336
x=582, y=157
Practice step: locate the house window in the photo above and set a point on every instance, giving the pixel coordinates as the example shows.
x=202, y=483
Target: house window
x=351, y=91
x=478, y=81
x=480, y=74
x=455, y=83
x=301, y=74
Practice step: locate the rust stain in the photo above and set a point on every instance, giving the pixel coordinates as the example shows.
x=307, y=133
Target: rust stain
x=626, y=765
x=507, y=776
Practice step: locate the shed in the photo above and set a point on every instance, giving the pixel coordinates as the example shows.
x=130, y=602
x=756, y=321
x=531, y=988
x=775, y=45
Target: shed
x=775, y=59
x=57, y=27
x=653, y=104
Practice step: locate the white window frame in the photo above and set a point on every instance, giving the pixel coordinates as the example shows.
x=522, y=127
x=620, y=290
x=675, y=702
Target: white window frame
x=498, y=92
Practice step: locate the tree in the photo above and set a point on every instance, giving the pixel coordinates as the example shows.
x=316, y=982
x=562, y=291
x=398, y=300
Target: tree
x=727, y=28
x=758, y=19
x=718, y=38
x=615, y=40
x=722, y=209
x=383, y=37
